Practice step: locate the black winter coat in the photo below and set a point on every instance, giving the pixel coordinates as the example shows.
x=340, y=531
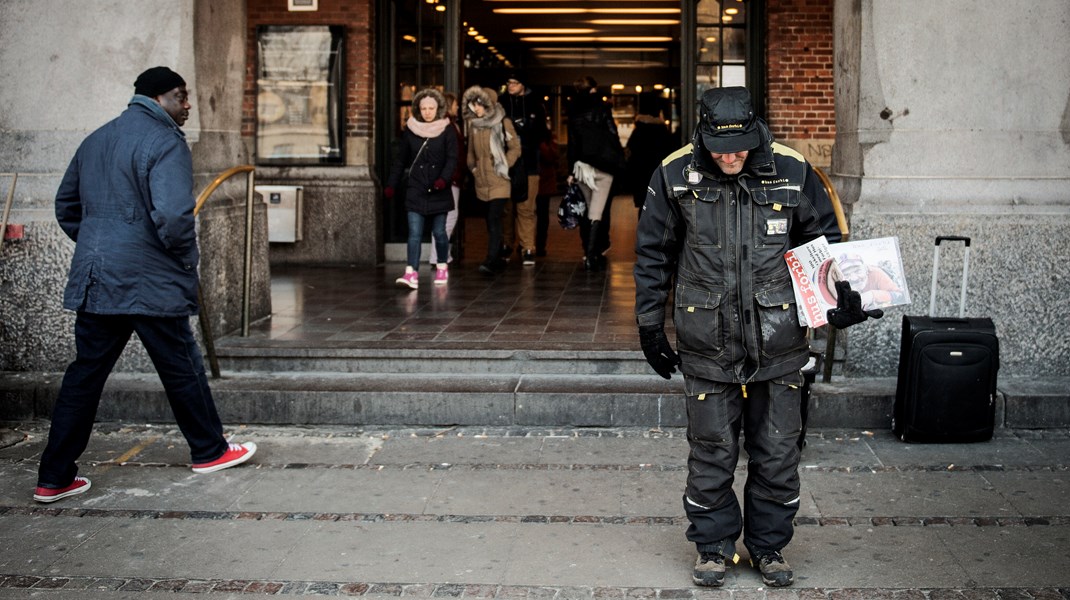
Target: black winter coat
x=528, y=115
x=437, y=160
x=593, y=136
x=650, y=142
x=717, y=243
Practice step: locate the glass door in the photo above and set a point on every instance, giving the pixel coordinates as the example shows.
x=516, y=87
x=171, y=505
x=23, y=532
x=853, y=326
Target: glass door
x=414, y=47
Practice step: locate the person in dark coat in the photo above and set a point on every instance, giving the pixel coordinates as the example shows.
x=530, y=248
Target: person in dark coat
x=595, y=157
x=528, y=114
x=127, y=202
x=650, y=142
x=427, y=151
x=719, y=215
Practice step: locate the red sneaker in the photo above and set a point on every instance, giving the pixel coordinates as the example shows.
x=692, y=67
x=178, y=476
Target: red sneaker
x=78, y=486
x=236, y=454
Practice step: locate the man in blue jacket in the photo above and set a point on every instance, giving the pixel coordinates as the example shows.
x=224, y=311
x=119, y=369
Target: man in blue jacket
x=127, y=202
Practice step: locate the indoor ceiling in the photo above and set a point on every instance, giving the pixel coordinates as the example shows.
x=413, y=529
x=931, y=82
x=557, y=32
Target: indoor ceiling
x=629, y=42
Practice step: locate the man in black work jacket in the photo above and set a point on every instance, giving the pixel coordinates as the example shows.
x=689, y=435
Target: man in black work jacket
x=719, y=215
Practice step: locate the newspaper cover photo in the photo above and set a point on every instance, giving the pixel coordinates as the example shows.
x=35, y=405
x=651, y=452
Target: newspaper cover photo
x=874, y=269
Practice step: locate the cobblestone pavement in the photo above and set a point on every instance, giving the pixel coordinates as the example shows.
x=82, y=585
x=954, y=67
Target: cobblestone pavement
x=524, y=513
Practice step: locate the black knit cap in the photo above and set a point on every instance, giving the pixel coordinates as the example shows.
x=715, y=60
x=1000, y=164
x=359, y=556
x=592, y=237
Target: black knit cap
x=156, y=81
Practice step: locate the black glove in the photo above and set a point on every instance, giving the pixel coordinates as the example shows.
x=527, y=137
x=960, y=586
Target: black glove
x=658, y=351
x=848, y=309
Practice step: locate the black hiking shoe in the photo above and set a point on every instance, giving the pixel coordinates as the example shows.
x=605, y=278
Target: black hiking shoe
x=775, y=570
x=709, y=570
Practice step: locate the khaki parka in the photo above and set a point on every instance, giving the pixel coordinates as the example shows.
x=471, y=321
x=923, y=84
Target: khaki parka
x=491, y=134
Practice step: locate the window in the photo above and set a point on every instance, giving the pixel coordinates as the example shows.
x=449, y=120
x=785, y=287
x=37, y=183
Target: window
x=721, y=39
x=300, y=104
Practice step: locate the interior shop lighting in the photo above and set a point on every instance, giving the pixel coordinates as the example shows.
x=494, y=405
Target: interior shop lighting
x=552, y=31
x=583, y=11
x=634, y=21
x=609, y=39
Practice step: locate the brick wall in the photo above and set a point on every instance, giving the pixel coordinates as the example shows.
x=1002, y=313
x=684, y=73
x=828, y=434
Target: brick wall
x=357, y=18
x=799, y=69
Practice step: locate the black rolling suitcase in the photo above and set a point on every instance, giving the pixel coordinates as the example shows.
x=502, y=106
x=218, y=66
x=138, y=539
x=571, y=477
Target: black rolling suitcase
x=946, y=391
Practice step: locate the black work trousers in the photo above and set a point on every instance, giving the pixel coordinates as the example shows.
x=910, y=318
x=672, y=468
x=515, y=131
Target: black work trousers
x=100, y=340
x=770, y=418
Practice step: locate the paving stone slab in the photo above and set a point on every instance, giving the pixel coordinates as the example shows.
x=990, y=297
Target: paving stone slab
x=528, y=492
x=342, y=490
x=170, y=548
x=1034, y=493
x=453, y=449
x=916, y=493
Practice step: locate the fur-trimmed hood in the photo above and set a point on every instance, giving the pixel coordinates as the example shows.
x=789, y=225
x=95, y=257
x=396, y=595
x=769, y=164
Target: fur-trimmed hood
x=440, y=113
x=488, y=98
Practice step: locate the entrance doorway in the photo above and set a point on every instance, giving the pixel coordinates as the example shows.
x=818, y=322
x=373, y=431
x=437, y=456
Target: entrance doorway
x=639, y=51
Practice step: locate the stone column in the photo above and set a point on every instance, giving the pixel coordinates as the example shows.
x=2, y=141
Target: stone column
x=69, y=66
x=953, y=118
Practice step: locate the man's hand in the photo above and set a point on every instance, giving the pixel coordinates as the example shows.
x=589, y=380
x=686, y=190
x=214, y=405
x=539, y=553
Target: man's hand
x=439, y=184
x=658, y=351
x=848, y=309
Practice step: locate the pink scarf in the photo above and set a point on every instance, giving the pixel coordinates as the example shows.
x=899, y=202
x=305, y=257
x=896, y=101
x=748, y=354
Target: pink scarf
x=427, y=130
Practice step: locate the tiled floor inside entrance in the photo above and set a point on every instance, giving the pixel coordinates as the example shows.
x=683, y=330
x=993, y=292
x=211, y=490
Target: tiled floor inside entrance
x=553, y=304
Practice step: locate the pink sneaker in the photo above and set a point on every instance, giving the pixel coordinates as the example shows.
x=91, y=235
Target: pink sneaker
x=410, y=280
x=236, y=454
x=78, y=486
x=442, y=275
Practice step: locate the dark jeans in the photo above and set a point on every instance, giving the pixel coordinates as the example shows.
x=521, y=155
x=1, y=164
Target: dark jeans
x=542, y=222
x=771, y=421
x=100, y=340
x=416, y=236
x=494, y=227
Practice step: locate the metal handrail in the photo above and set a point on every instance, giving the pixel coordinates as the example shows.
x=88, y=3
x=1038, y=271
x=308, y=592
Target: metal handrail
x=7, y=208
x=206, y=328
x=841, y=222
x=837, y=207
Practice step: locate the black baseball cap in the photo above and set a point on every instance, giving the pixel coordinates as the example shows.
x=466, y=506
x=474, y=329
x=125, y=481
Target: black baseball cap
x=727, y=122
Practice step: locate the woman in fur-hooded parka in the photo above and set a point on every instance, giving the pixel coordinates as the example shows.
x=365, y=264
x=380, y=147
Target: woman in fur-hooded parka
x=434, y=163
x=493, y=145
x=428, y=150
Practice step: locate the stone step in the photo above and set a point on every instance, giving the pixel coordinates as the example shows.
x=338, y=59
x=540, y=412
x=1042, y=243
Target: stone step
x=448, y=360
x=495, y=399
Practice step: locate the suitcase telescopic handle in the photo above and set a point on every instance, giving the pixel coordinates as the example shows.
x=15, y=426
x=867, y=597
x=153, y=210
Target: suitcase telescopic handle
x=965, y=271
x=953, y=238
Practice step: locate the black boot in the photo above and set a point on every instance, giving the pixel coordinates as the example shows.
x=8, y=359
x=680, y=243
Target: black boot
x=593, y=259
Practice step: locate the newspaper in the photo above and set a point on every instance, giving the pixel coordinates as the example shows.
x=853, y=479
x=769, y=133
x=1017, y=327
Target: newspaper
x=874, y=269
x=813, y=273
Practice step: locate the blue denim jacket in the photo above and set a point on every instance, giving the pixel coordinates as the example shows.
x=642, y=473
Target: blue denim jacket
x=127, y=202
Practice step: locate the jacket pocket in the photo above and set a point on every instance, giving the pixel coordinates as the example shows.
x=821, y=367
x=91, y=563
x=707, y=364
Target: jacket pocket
x=778, y=321
x=702, y=210
x=698, y=320
x=773, y=209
